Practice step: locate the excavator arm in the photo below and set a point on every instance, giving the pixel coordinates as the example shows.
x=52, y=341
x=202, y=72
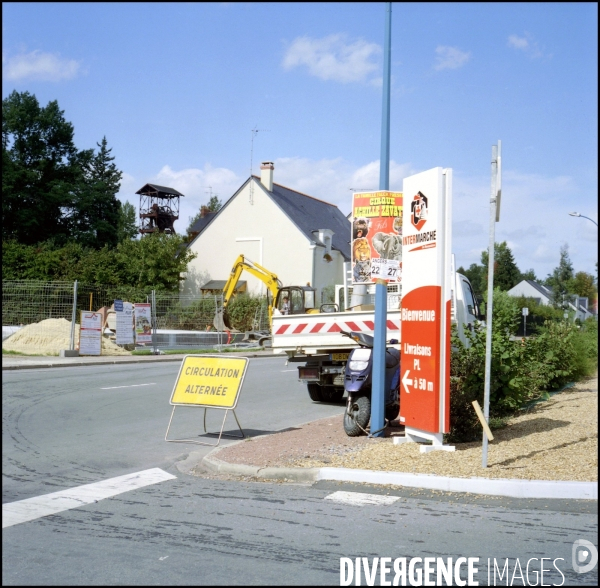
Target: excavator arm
x=268, y=278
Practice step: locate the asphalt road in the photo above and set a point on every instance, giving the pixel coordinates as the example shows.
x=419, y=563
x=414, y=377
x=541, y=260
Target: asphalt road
x=75, y=426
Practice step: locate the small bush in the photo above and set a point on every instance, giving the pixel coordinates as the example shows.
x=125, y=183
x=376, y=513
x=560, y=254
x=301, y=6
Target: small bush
x=243, y=309
x=521, y=369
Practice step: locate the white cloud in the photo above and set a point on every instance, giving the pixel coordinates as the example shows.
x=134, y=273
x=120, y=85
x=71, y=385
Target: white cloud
x=526, y=44
x=334, y=58
x=450, y=57
x=47, y=67
x=518, y=42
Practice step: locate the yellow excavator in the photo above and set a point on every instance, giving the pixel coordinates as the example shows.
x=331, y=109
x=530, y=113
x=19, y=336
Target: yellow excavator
x=281, y=299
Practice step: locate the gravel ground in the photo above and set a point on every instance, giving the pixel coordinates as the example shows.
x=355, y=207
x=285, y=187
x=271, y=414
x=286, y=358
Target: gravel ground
x=554, y=440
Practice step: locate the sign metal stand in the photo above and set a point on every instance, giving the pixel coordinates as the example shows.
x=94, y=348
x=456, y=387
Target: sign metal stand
x=220, y=433
x=209, y=381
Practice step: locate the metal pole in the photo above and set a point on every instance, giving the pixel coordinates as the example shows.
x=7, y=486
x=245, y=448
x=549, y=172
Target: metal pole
x=384, y=160
x=219, y=332
x=154, y=349
x=378, y=385
x=73, y=317
x=490, y=301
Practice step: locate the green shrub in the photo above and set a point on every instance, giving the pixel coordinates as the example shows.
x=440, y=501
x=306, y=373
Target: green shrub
x=242, y=310
x=521, y=369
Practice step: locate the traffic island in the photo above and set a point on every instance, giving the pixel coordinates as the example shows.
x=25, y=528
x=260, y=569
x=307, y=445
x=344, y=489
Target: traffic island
x=549, y=451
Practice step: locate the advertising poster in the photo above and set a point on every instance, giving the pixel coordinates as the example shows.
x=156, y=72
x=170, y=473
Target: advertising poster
x=376, y=237
x=124, y=313
x=90, y=333
x=425, y=314
x=143, y=322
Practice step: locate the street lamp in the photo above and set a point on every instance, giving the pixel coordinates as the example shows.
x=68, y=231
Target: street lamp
x=581, y=215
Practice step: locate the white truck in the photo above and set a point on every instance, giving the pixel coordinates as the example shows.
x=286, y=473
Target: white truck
x=315, y=340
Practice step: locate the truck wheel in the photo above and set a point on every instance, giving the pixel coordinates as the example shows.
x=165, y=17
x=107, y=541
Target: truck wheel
x=333, y=394
x=357, y=415
x=315, y=392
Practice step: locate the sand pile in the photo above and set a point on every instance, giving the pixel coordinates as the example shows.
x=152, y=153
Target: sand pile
x=48, y=337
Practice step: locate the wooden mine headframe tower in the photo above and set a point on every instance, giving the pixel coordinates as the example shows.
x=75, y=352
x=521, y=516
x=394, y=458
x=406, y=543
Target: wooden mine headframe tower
x=159, y=209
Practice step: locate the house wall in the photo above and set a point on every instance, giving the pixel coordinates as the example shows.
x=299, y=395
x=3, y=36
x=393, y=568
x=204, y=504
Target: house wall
x=264, y=233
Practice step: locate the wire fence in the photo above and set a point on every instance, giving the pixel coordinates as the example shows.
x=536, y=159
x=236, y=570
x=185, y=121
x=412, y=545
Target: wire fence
x=46, y=311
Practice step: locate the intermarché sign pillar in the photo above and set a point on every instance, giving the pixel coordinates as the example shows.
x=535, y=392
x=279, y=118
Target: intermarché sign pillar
x=426, y=293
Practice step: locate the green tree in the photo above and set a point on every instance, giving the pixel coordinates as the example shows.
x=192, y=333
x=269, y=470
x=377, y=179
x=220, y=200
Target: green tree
x=561, y=279
x=94, y=213
x=127, y=226
x=529, y=275
x=477, y=275
x=157, y=260
x=214, y=205
x=41, y=169
x=506, y=272
x=584, y=284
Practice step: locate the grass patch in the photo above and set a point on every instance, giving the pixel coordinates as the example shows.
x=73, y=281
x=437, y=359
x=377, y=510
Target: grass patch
x=8, y=352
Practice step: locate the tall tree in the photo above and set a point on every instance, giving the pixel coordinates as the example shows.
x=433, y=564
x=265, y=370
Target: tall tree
x=584, y=284
x=506, y=272
x=560, y=280
x=127, y=227
x=94, y=214
x=529, y=275
x=477, y=275
x=40, y=172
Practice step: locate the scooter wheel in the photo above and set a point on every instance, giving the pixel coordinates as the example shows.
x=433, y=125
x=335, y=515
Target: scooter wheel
x=357, y=416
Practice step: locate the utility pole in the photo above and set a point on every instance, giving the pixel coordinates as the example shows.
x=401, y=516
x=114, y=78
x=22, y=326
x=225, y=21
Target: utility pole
x=378, y=385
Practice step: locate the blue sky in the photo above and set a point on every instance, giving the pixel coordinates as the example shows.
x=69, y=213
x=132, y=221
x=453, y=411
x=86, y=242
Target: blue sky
x=177, y=89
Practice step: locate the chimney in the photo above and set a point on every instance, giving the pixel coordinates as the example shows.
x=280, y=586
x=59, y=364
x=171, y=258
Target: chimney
x=203, y=211
x=266, y=175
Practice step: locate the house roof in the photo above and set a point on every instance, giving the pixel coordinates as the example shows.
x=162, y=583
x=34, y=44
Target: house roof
x=164, y=191
x=201, y=222
x=306, y=212
x=310, y=214
x=547, y=292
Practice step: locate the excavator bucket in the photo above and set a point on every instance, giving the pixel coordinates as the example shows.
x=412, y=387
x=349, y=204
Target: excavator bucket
x=221, y=321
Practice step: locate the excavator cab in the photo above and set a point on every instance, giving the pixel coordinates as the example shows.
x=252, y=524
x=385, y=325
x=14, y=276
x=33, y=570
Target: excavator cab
x=296, y=300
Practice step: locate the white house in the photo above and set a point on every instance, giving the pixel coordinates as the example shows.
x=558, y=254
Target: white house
x=543, y=295
x=300, y=238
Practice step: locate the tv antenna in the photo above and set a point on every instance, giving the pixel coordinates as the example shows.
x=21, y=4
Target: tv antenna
x=254, y=131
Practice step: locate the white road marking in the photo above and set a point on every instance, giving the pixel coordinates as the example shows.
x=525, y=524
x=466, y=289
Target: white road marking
x=289, y=371
x=132, y=386
x=30, y=509
x=361, y=499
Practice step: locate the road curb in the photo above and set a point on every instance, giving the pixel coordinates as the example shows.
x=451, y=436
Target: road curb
x=217, y=466
x=157, y=359
x=487, y=486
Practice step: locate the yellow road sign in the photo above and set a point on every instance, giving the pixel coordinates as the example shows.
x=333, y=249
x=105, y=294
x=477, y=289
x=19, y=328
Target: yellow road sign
x=213, y=381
